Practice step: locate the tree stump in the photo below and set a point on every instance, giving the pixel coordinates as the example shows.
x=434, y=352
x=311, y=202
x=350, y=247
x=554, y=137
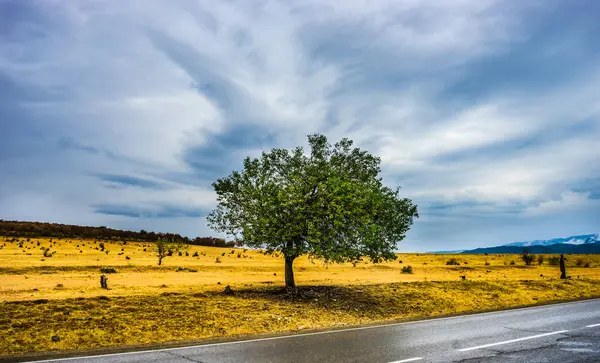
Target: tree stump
x=563, y=270
x=104, y=282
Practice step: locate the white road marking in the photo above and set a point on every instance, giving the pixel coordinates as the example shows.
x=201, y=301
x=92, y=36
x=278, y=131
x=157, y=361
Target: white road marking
x=592, y=326
x=513, y=340
x=407, y=360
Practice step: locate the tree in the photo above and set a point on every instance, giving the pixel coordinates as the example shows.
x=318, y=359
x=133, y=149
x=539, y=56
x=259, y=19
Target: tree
x=166, y=247
x=527, y=258
x=540, y=259
x=329, y=204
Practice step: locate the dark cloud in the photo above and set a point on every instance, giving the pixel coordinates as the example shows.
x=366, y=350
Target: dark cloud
x=127, y=180
x=158, y=211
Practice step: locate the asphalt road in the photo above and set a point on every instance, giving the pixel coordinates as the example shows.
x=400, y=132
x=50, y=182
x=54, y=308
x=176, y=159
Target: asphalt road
x=556, y=333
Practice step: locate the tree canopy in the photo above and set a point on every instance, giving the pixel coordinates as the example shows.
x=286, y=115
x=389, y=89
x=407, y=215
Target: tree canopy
x=329, y=203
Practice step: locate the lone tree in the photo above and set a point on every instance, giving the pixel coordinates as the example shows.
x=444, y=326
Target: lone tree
x=166, y=247
x=329, y=203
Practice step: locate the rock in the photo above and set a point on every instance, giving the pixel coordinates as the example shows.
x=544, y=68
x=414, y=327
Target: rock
x=55, y=338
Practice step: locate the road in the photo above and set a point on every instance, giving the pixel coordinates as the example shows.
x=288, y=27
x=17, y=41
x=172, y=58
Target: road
x=568, y=332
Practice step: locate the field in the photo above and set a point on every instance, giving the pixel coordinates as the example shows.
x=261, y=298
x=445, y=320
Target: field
x=59, y=294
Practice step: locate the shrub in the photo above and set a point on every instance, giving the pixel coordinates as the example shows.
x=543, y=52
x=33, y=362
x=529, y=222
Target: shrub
x=195, y=254
x=239, y=255
x=180, y=253
x=587, y=264
x=527, y=258
x=554, y=261
x=187, y=253
x=487, y=263
x=218, y=260
x=407, y=269
x=47, y=253
x=452, y=261
x=223, y=254
x=108, y=270
x=512, y=262
x=579, y=262
x=127, y=258
x=540, y=259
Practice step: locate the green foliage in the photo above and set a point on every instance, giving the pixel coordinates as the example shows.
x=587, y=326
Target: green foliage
x=330, y=204
x=165, y=247
x=540, y=259
x=554, y=260
x=452, y=262
x=407, y=269
x=527, y=258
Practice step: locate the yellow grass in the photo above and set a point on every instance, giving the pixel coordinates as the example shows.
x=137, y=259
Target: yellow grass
x=59, y=295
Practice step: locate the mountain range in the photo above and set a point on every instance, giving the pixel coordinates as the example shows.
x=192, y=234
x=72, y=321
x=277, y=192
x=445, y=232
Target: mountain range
x=587, y=243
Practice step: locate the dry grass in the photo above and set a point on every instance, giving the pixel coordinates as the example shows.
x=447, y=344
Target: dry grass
x=60, y=295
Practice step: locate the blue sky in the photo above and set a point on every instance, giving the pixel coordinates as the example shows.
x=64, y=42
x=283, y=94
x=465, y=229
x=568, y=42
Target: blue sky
x=122, y=113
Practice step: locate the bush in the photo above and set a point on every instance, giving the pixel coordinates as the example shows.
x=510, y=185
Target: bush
x=217, y=260
x=512, y=262
x=452, y=261
x=239, y=255
x=195, y=254
x=407, y=269
x=540, y=259
x=47, y=253
x=554, y=261
x=527, y=258
x=487, y=263
x=108, y=270
x=586, y=265
x=579, y=262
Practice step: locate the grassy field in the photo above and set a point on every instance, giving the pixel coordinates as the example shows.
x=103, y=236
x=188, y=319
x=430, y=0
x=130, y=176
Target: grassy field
x=43, y=296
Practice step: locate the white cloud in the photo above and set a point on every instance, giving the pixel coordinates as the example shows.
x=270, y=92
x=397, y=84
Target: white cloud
x=140, y=83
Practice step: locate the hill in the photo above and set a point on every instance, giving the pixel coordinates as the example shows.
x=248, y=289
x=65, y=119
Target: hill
x=557, y=248
x=56, y=230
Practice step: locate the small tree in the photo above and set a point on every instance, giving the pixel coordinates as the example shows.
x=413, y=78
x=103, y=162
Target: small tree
x=329, y=204
x=166, y=247
x=527, y=258
x=540, y=259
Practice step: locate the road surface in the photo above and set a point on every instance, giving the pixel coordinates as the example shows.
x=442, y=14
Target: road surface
x=563, y=333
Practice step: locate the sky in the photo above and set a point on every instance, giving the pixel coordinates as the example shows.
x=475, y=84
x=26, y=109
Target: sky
x=122, y=113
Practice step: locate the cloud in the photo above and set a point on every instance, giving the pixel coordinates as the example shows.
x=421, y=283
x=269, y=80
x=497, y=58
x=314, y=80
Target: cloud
x=156, y=212
x=123, y=113
x=126, y=180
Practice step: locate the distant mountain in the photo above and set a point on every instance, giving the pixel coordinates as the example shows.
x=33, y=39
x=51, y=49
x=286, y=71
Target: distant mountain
x=588, y=243
x=573, y=240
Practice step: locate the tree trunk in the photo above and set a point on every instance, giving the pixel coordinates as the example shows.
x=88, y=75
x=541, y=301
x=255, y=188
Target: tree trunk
x=160, y=260
x=289, y=272
x=563, y=270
